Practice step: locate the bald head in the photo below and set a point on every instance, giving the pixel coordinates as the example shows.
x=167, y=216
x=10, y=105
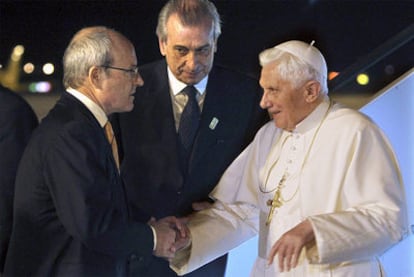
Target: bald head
x=89, y=47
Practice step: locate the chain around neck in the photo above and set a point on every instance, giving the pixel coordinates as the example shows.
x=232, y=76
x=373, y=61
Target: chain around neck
x=285, y=174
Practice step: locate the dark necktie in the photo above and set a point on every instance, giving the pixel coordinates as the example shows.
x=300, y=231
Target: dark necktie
x=189, y=119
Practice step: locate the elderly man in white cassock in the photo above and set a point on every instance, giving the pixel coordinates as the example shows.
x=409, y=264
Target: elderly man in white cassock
x=320, y=183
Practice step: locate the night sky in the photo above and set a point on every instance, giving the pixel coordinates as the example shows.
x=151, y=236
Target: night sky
x=344, y=31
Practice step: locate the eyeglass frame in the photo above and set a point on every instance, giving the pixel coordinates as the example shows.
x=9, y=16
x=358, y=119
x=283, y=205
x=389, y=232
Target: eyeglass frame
x=133, y=71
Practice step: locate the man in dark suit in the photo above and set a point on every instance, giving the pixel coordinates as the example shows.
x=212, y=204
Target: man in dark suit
x=17, y=121
x=163, y=175
x=70, y=211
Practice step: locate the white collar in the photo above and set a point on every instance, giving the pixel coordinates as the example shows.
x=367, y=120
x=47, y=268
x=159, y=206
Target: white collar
x=177, y=86
x=314, y=118
x=94, y=108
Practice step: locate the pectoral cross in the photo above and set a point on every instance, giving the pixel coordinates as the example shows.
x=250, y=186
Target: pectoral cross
x=276, y=202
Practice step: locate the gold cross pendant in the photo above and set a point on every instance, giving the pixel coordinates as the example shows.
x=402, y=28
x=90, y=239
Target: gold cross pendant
x=274, y=203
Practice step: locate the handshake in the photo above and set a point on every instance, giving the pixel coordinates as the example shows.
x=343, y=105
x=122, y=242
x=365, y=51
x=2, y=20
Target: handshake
x=172, y=235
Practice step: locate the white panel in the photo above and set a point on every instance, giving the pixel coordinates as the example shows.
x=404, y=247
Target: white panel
x=393, y=111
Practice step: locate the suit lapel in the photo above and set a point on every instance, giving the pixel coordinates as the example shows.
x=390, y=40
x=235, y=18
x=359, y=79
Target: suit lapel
x=164, y=122
x=208, y=134
x=155, y=102
x=74, y=105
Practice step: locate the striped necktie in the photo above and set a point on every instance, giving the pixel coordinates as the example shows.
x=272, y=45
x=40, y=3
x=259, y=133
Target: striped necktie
x=109, y=132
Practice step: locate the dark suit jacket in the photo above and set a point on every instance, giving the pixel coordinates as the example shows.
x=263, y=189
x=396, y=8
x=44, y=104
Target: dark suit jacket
x=154, y=181
x=70, y=212
x=17, y=121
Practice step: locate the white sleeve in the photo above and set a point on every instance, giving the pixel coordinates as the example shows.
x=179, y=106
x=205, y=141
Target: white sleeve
x=234, y=217
x=375, y=216
x=216, y=231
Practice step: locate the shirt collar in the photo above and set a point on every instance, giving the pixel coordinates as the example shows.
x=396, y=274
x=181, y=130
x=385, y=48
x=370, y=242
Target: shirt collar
x=177, y=86
x=94, y=108
x=314, y=118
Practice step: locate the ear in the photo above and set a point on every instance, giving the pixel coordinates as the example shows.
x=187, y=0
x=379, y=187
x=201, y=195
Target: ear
x=94, y=76
x=312, y=91
x=163, y=46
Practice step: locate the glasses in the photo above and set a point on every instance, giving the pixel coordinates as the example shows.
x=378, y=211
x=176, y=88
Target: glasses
x=132, y=71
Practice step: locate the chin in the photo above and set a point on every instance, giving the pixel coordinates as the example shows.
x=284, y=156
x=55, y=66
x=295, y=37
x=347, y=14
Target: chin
x=127, y=108
x=192, y=79
x=277, y=125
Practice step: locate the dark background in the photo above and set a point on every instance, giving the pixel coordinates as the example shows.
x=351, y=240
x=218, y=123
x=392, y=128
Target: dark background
x=345, y=31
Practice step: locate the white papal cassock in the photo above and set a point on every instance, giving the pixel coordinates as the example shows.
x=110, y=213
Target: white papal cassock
x=341, y=174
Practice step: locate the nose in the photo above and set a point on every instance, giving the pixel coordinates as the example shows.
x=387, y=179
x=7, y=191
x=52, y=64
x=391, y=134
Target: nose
x=191, y=60
x=138, y=81
x=264, y=102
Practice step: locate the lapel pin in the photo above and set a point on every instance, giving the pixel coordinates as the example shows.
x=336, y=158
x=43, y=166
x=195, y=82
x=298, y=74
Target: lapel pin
x=213, y=123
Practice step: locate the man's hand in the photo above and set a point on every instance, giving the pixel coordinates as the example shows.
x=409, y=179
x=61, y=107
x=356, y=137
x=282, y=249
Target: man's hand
x=199, y=206
x=167, y=230
x=290, y=245
x=183, y=238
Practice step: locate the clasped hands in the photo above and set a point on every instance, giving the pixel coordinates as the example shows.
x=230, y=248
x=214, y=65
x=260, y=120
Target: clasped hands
x=172, y=235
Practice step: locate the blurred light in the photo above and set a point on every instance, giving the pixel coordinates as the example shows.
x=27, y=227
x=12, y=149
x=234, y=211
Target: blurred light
x=32, y=87
x=332, y=75
x=389, y=69
x=362, y=79
x=48, y=68
x=18, y=51
x=28, y=68
x=1, y=66
x=40, y=87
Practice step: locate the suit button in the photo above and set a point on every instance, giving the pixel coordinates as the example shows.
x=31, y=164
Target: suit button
x=132, y=257
x=179, y=192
